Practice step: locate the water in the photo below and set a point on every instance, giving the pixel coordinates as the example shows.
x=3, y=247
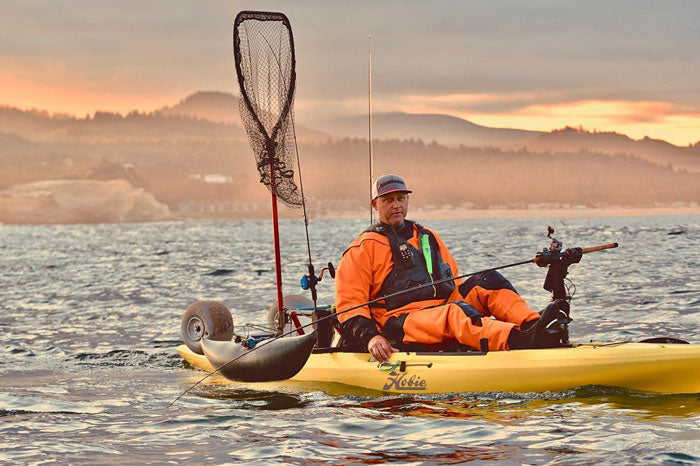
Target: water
x=91, y=315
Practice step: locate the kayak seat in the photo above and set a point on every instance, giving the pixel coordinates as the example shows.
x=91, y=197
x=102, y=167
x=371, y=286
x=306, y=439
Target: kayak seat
x=445, y=347
x=346, y=346
x=325, y=322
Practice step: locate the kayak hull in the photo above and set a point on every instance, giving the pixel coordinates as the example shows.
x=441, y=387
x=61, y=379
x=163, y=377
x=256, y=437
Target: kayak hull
x=651, y=367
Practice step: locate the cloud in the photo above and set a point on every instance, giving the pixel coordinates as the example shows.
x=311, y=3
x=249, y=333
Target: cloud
x=660, y=120
x=480, y=58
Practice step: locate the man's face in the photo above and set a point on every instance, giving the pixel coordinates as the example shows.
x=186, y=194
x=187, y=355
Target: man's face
x=391, y=208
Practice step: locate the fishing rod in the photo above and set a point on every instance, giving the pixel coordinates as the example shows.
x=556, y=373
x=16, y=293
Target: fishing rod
x=311, y=277
x=544, y=258
x=369, y=124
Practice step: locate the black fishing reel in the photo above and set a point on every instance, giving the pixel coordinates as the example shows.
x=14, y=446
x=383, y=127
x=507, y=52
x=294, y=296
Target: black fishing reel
x=309, y=281
x=323, y=325
x=558, y=263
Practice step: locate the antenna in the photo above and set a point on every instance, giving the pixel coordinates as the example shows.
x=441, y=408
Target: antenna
x=369, y=122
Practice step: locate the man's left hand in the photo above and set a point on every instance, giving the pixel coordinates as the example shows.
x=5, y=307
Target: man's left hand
x=380, y=348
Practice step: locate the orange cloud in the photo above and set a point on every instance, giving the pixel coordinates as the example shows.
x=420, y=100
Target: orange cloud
x=660, y=120
x=74, y=97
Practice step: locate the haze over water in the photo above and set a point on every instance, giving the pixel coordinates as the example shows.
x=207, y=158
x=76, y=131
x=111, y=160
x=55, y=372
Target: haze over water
x=91, y=323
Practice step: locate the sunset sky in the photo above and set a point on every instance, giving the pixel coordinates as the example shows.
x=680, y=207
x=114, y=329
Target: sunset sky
x=625, y=66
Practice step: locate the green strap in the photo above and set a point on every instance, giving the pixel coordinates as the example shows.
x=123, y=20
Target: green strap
x=388, y=367
x=425, y=247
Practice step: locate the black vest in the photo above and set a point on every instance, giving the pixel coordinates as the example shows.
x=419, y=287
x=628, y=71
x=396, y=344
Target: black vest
x=410, y=270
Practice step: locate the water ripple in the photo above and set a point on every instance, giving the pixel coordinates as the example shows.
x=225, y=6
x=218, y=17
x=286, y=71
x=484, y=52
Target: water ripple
x=91, y=319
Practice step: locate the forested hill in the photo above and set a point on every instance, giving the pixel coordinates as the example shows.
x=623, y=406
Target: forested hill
x=444, y=129
x=198, y=165
x=654, y=150
x=483, y=177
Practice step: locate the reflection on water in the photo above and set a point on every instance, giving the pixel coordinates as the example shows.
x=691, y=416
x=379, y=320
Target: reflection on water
x=260, y=400
x=500, y=407
x=91, y=317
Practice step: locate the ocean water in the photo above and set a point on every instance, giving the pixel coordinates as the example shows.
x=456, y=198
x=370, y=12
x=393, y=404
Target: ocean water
x=90, y=318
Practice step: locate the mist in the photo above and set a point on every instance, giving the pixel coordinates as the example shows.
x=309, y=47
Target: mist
x=192, y=160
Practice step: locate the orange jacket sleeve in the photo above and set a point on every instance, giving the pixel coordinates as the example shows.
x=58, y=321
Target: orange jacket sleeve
x=353, y=279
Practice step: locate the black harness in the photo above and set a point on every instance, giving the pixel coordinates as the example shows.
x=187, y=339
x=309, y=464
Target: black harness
x=410, y=269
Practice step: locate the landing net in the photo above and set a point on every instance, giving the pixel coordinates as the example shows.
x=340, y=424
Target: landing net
x=263, y=49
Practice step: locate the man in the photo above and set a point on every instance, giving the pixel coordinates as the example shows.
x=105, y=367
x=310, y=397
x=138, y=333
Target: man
x=396, y=254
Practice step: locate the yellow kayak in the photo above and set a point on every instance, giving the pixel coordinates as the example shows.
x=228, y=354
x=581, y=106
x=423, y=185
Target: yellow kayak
x=652, y=367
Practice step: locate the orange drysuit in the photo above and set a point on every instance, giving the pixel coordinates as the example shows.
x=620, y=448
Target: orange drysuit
x=367, y=263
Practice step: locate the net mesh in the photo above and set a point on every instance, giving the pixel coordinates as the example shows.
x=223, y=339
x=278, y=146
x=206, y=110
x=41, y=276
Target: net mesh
x=265, y=65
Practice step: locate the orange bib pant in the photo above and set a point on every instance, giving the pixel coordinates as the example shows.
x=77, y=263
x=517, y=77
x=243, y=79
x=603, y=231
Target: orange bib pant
x=465, y=316
x=469, y=321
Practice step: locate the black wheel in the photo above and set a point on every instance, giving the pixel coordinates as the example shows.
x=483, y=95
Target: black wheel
x=205, y=319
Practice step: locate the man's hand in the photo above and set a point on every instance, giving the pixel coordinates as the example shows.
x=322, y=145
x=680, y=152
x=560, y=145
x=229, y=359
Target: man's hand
x=380, y=348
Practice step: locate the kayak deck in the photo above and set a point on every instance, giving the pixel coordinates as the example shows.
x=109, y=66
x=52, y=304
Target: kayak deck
x=652, y=367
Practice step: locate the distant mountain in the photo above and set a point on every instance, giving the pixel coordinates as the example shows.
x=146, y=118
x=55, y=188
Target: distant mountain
x=108, y=126
x=209, y=105
x=175, y=156
x=222, y=107
x=454, y=131
x=653, y=150
x=214, y=115
x=445, y=129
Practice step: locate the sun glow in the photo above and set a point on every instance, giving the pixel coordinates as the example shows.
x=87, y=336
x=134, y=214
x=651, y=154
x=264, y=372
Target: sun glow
x=637, y=119
x=76, y=101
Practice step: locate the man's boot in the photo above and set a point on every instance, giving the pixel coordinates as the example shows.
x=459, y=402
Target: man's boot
x=549, y=331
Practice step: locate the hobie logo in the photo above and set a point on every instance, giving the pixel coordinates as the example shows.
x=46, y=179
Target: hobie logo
x=403, y=382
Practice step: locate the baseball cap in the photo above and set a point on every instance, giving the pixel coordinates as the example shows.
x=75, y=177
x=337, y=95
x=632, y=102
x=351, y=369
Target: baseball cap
x=386, y=184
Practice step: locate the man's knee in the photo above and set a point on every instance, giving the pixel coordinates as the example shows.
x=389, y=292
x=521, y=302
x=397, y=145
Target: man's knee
x=393, y=329
x=471, y=313
x=490, y=280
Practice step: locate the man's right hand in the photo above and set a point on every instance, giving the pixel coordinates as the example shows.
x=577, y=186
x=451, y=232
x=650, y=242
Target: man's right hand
x=380, y=348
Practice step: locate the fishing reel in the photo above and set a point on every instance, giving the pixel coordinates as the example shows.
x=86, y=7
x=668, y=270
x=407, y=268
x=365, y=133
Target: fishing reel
x=309, y=281
x=558, y=263
x=323, y=326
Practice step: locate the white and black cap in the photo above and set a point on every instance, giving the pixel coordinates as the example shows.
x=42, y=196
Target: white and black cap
x=386, y=184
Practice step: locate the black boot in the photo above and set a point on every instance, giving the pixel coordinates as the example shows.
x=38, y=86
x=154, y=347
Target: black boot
x=549, y=331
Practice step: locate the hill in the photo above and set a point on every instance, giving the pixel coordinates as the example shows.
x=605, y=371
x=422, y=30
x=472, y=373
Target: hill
x=200, y=167
x=453, y=131
x=222, y=107
x=216, y=106
x=445, y=129
x=654, y=150
x=111, y=126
